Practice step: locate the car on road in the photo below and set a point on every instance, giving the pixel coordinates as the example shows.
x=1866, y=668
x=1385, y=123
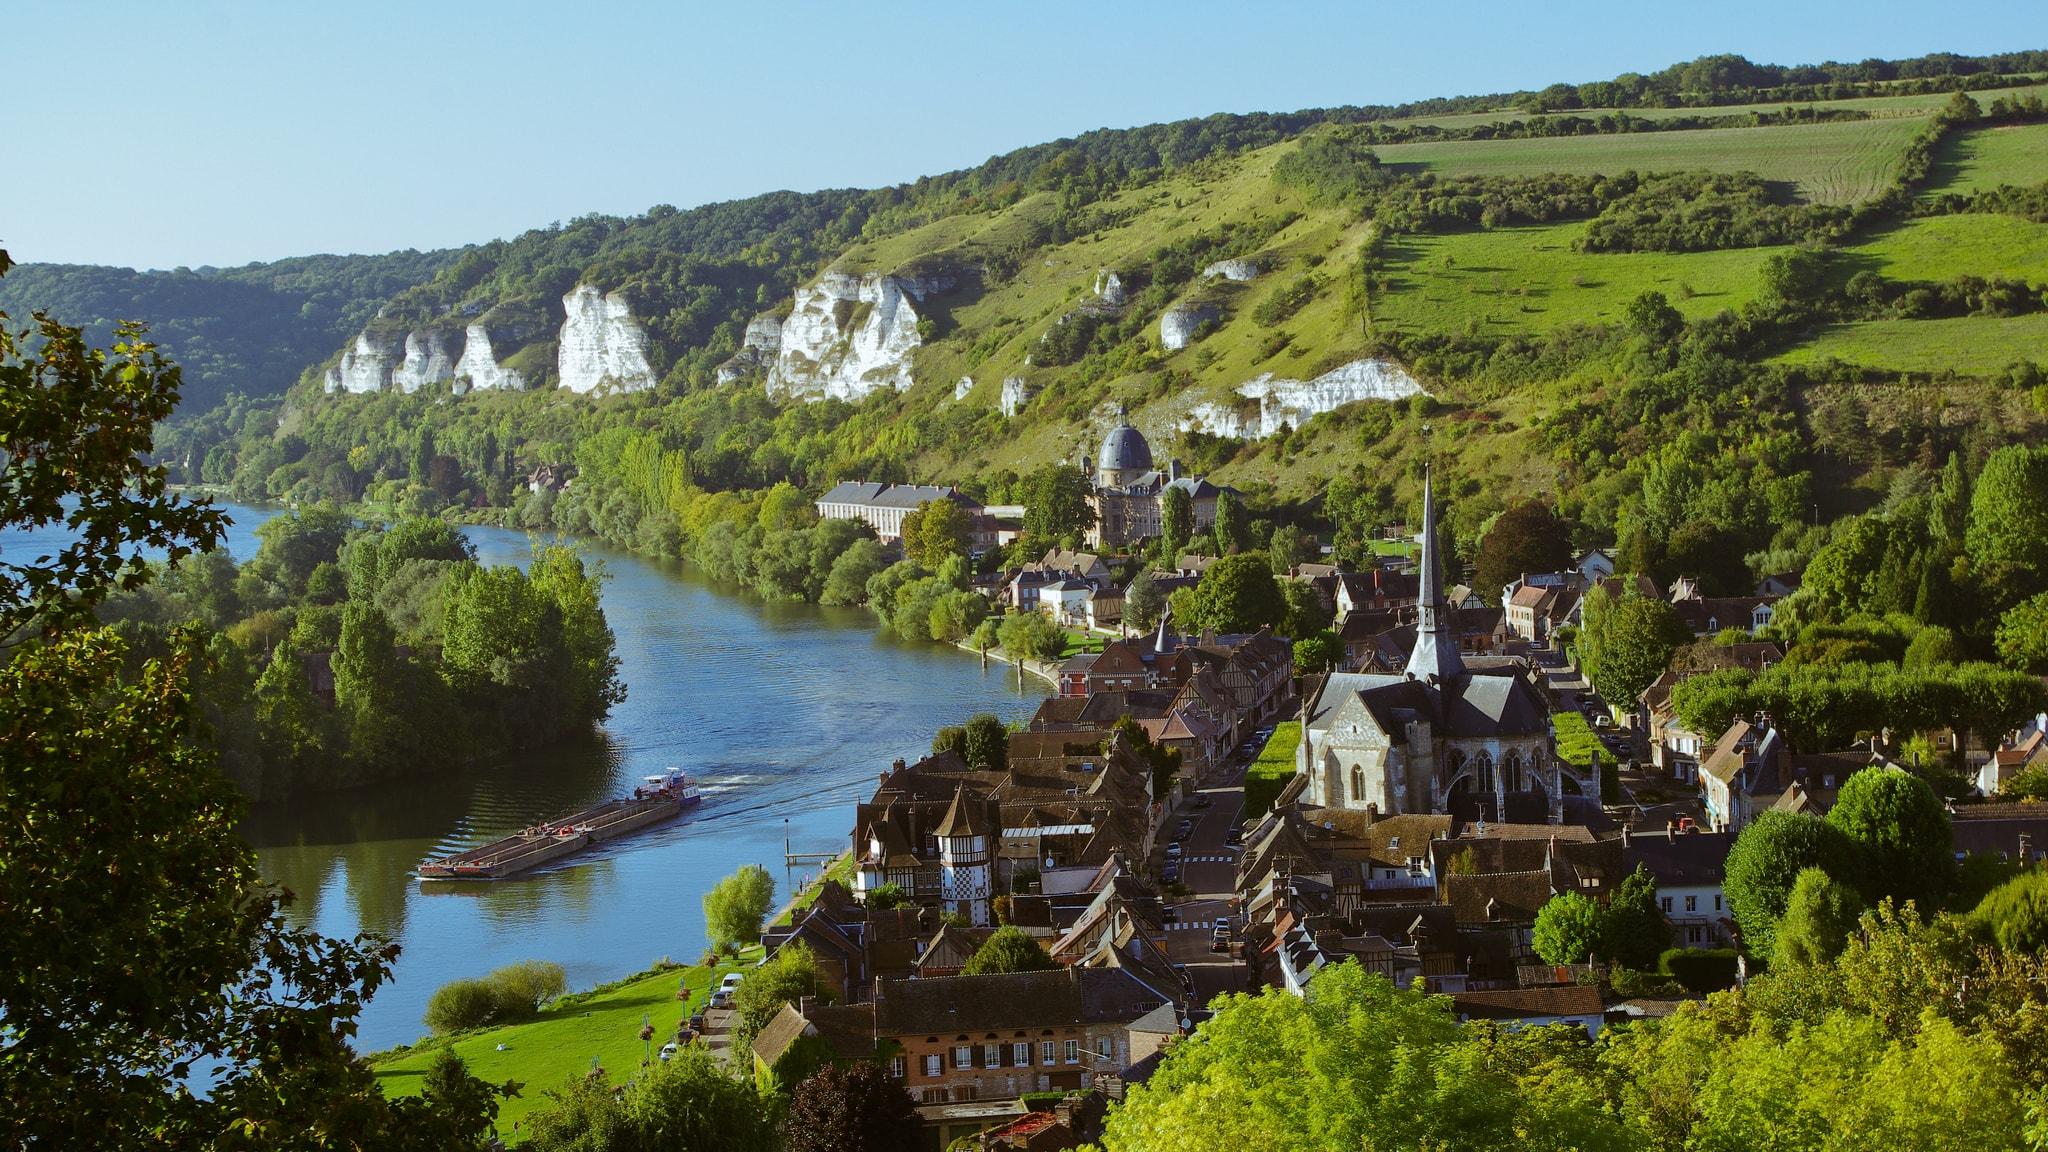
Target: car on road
x=1603, y=720
x=1169, y=914
x=1187, y=828
x=669, y=1050
x=1171, y=873
x=1219, y=936
x=1173, y=850
x=1202, y=800
x=1235, y=836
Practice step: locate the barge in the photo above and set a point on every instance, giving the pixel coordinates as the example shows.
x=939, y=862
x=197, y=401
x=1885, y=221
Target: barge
x=657, y=800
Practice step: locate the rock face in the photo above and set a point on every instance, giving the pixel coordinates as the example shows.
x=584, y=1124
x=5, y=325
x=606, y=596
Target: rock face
x=1109, y=288
x=850, y=335
x=479, y=368
x=368, y=364
x=962, y=387
x=1177, y=324
x=430, y=356
x=1293, y=402
x=1239, y=270
x=1016, y=394
x=602, y=344
x=757, y=349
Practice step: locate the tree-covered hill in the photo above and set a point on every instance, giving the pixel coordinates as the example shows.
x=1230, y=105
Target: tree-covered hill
x=251, y=329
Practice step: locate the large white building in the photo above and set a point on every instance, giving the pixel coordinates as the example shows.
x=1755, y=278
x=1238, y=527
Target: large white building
x=1129, y=494
x=883, y=507
x=1441, y=730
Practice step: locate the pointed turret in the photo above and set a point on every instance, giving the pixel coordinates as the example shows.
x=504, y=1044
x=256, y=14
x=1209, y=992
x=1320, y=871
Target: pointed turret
x=1436, y=643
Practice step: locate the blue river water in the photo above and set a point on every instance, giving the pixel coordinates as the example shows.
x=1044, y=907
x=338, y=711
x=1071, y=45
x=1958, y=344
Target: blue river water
x=786, y=713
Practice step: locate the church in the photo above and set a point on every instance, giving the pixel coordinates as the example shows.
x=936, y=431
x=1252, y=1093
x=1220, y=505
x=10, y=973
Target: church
x=1128, y=494
x=1449, y=731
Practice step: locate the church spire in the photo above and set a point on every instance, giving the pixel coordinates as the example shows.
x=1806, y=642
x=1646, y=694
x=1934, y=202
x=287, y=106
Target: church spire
x=1436, y=640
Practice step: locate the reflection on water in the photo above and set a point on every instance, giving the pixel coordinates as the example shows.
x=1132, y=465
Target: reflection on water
x=785, y=713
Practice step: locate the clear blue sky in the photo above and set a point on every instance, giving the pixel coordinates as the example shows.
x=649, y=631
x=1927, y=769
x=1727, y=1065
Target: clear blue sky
x=161, y=134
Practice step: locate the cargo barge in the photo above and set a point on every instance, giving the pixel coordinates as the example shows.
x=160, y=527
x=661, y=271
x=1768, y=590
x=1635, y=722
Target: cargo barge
x=659, y=799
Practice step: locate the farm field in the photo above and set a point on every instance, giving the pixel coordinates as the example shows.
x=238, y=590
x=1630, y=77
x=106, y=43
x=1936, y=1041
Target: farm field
x=1877, y=106
x=1987, y=157
x=1971, y=345
x=1945, y=247
x=1839, y=163
x=1531, y=279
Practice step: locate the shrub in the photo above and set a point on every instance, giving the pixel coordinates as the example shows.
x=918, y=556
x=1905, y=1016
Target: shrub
x=523, y=987
x=461, y=1004
x=1700, y=970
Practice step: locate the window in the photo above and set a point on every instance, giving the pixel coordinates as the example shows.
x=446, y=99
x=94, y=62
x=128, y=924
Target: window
x=1073, y=1051
x=896, y=1069
x=932, y=1064
x=1102, y=1047
x=1045, y=1052
x=963, y=1056
x=1416, y=865
x=1717, y=901
x=1357, y=782
x=991, y=1055
x=1020, y=1054
x=1665, y=903
x=1692, y=934
x=1692, y=903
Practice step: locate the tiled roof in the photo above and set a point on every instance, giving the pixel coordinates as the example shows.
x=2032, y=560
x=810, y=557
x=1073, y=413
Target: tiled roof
x=951, y=1005
x=1682, y=859
x=1519, y=1003
x=1497, y=898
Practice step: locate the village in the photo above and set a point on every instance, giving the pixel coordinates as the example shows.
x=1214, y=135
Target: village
x=1193, y=815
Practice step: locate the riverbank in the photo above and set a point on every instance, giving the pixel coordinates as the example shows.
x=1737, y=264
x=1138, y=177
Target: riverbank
x=1048, y=673
x=561, y=1043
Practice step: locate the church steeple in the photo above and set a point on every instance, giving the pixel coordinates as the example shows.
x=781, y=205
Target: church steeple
x=1436, y=641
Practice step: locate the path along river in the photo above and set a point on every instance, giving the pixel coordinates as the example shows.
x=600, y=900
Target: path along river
x=786, y=713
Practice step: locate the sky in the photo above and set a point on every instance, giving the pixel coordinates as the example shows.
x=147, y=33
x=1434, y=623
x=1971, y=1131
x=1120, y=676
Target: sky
x=164, y=134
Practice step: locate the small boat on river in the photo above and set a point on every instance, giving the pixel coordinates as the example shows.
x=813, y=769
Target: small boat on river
x=657, y=800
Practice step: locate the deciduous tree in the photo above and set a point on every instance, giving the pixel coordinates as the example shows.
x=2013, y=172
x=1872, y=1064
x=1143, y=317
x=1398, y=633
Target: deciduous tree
x=855, y=1107
x=736, y=905
x=1528, y=537
x=1008, y=949
x=1902, y=833
x=1766, y=861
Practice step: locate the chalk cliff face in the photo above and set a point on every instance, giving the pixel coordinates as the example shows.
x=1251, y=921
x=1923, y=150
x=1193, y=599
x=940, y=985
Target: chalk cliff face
x=757, y=348
x=430, y=356
x=602, y=344
x=479, y=368
x=1292, y=402
x=1015, y=395
x=1109, y=288
x=850, y=335
x=1177, y=324
x=368, y=364
x=962, y=387
x=1239, y=270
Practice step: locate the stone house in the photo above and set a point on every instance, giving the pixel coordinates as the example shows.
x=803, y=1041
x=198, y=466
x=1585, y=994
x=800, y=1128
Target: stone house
x=1689, y=867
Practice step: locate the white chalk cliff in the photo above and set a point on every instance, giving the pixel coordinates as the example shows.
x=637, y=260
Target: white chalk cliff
x=368, y=364
x=849, y=335
x=1177, y=324
x=479, y=370
x=1239, y=270
x=602, y=345
x=429, y=359
x=1015, y=395
x=1293, y=402
x=763, y=339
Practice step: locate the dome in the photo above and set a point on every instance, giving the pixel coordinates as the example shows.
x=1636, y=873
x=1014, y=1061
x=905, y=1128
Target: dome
x=1124, y=451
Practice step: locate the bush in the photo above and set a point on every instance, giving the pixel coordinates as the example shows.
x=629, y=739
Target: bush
x=1699, y=970
x=514, y=992
x=461, y=1004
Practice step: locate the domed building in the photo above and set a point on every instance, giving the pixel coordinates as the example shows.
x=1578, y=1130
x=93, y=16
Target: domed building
x=1129, y=495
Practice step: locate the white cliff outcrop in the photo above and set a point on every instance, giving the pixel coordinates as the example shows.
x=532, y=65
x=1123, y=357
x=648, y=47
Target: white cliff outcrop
x=479, y=370
x=429, y=359
x=1177, y=324
x=849, y=335
x=1109, y=288
x=368, y=364
x=1016, y=394
x=763, y=339
x=1239, y=270
x=1293, y=402
x=602, y=344
x=962, y=387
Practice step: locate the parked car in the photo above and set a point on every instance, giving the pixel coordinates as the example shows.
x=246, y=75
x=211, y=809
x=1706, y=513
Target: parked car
x=1235, y=836
x=668, y=1051
x=1603, y=720
x=1171, y=873
x=1202, y=800
x=1173, y=850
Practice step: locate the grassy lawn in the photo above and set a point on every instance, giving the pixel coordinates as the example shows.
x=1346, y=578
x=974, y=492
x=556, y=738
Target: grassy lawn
x=603, y=1024
x=1576, y=742
x=1836, y=163
x=1531, y=280
x=1271, y=771
x=1945, y=247
x=1971, y=345
x=1079, y=642
x=1988, y=157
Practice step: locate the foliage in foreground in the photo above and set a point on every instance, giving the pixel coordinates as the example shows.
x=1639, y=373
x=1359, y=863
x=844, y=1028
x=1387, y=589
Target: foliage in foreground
x=1916, y=1037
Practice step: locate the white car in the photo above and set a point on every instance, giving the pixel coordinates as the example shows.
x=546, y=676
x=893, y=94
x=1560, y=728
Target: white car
x=1173, y=850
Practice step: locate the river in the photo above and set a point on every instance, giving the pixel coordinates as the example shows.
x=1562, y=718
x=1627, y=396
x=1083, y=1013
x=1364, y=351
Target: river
x=786, y=713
